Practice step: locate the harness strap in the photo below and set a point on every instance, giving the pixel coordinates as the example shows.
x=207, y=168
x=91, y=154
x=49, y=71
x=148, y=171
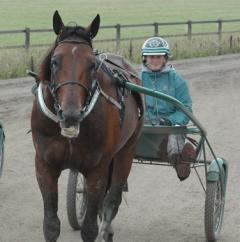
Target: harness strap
x=110, y=99
x=122, y=69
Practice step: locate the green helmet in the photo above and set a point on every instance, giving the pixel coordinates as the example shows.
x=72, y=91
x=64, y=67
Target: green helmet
x=156, y=46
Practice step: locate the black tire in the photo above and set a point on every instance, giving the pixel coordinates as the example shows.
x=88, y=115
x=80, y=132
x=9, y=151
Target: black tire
x=214, y=210
x=2, y=139
x=76, y=199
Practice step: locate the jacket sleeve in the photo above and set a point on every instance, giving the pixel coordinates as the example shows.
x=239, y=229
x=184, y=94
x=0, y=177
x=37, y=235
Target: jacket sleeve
x=183, y=95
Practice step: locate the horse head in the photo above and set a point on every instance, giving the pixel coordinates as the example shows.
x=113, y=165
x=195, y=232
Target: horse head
x=72, y=71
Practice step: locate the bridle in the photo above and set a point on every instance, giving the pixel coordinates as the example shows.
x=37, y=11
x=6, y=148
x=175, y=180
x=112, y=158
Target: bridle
x=92, y=93
x=54, y=87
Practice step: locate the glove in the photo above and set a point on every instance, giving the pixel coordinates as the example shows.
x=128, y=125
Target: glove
x=165, y=121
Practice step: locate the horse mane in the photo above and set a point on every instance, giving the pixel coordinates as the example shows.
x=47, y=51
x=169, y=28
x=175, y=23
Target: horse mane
x=68, y=32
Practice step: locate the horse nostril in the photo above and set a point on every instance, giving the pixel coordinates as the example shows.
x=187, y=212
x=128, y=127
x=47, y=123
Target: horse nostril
x=60, y=114
x=70, y=117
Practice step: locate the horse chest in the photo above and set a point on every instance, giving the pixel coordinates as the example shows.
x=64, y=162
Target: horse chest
x=67, y=153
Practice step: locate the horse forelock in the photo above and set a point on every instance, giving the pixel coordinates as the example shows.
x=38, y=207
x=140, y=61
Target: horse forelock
x=75, y=32
x=68, y=32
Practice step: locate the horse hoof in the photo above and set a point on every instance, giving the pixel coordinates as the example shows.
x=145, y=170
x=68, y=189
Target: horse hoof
x=51, y=229
x=106, y=237
x=110, y=238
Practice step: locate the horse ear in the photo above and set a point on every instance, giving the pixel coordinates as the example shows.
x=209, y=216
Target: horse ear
x=92, y=29
x=57, y=23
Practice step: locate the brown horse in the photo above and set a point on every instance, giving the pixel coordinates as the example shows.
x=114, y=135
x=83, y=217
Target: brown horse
x=80, y=121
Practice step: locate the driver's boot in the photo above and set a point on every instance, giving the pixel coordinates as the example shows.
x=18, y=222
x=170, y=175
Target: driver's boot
x=183, y=164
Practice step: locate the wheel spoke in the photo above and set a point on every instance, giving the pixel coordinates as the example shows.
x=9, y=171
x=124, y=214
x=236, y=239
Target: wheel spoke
x=218, y=207
x=214, y=207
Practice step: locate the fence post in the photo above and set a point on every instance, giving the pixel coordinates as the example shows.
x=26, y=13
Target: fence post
x=155, y=29
x=219, y=30
x=231, y=42
x=27, y=38
x=131, y=50
x=118, y=36
x=189, y=23
x=176, y=48
x=219, y=36
x=32, y=64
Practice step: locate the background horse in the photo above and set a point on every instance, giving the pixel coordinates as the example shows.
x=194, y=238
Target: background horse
x=79, y=121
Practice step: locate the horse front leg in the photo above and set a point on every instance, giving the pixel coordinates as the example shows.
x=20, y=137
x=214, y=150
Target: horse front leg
x=96, y=186
x=47, y=177
x=110, y=208
x=121, y=168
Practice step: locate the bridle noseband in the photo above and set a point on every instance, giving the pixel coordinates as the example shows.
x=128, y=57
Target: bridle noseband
x=55, y=87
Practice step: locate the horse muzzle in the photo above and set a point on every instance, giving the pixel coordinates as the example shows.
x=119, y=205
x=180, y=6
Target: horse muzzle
x=70, y=123
x=70, y=132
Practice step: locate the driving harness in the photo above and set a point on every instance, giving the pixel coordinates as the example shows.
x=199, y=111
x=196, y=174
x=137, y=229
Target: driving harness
x=116, y=69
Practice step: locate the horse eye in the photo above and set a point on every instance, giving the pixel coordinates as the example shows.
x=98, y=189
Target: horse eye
x=53, y=63
x=92, y=66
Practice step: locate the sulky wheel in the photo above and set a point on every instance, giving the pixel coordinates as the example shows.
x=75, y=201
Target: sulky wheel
x=76, y=199
x=214, y=209
x=2, y=139
x=1, y=159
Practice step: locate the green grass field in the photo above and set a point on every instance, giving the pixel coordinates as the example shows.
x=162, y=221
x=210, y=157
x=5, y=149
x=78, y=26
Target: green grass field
x=18, y=14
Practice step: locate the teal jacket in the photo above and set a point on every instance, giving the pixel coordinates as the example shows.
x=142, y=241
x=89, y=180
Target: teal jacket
x=169, y=82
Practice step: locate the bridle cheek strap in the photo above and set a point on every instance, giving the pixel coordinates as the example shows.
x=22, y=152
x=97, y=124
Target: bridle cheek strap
x=44, y=107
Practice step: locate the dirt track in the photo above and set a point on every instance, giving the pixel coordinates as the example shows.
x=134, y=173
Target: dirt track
x=159, y=208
